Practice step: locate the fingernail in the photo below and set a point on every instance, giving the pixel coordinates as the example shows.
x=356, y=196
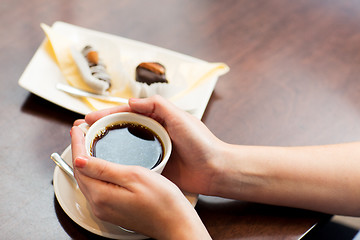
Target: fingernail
x=80, y=162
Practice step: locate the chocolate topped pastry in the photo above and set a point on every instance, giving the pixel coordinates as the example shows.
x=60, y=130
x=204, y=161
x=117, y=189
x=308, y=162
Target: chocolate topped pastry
x=150, y=72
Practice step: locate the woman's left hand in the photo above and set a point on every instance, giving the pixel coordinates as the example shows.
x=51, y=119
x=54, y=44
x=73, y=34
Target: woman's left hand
x=134, y=197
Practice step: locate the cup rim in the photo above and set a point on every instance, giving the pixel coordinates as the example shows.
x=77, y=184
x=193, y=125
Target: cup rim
x=139, y=119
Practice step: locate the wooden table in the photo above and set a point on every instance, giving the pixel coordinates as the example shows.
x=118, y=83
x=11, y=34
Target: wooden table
x=294, y=80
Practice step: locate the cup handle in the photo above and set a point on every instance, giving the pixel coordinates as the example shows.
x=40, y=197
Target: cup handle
x=84, y=127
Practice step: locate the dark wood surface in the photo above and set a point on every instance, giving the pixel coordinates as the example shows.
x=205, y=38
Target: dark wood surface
x=294, y=80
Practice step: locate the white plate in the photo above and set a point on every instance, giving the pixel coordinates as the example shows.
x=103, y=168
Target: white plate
x=73, y=202
x=42, y=73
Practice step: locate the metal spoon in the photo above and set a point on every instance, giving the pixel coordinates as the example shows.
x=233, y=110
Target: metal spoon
x=63, y=166
x=81, y=93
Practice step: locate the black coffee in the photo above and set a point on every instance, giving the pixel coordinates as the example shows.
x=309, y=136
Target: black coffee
x=129, y=144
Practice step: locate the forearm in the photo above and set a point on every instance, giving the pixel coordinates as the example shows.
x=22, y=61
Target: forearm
x=321, y=178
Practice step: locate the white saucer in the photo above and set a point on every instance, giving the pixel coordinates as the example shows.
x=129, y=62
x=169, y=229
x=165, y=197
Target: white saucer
x=76, y=207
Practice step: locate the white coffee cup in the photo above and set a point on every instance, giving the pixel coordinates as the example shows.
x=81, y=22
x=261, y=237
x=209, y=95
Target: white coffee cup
x=126, y=117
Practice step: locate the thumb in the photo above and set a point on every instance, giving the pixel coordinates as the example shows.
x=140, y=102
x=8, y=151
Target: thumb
x=103, y=170
x=156, y=107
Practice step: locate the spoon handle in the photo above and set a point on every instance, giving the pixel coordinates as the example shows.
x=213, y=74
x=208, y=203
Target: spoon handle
x=63, y=166
x=81, y=93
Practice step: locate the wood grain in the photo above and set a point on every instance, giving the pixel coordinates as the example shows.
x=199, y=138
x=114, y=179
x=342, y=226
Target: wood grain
x=293, y=81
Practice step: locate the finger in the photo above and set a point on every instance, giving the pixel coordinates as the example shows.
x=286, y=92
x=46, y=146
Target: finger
x=94, y=116
x=78, y=122
x=95, y=189
x=154, y=104
x=156, y=107
x=106, y=171
x=77, y=143
x=87, y=184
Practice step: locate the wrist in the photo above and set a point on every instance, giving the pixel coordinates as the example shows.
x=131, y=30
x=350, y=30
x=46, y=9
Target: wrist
x=232, y=175
x=186, y=225
x=219, y=165
x=191, y=230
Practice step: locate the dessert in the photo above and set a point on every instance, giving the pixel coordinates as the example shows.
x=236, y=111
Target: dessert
x=150, y=72
x=92, y=69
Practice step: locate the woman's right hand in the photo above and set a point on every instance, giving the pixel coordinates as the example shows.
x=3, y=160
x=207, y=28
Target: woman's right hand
x=196, y=150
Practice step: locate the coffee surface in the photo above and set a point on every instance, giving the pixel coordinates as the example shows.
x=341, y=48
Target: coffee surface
x=128, y=144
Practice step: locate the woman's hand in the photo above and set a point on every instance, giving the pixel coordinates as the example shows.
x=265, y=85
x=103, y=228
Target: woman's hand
x=134, y=197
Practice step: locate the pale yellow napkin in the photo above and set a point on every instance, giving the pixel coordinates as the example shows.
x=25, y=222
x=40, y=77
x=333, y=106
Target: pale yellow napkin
x=191, y=74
